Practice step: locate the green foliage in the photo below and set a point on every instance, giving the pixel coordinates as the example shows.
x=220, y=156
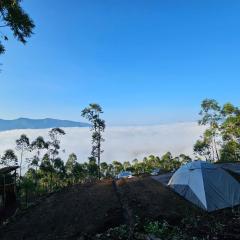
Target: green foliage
x=79, y=173
x=230, y=151
x=54, y=144
x=202, y=149
x=37, y=146
x=210, y=112
x=13, y=16
x=117, y=166
x=121, y=233
x=27, y=186
x=154, y=230
x=221, y=140
x=71, y=162
x=92, y=168
x=92, y=114
x=47, y=172
x=228, y=109
x=211, y=116
x=162, y=230
x=166, y=163
x=184, y=158
x=107, y=170
x=22, y=145
x=9, y=158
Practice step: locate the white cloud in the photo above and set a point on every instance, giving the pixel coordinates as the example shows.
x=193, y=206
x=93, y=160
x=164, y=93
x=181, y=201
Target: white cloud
x=122, y=143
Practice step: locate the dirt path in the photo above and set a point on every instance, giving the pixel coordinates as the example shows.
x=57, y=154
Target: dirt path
x=126, y=210
x=148, y=199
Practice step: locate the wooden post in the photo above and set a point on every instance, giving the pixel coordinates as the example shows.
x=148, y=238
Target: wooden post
x=4, y=192
x=15, y=182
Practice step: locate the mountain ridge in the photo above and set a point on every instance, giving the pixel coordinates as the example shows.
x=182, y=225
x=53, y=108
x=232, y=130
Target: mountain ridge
x=29, y=123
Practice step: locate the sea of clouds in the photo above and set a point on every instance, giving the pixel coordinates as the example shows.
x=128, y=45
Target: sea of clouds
x=121, y=143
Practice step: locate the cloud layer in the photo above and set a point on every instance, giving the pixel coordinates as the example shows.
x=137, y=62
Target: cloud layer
x=122, y=143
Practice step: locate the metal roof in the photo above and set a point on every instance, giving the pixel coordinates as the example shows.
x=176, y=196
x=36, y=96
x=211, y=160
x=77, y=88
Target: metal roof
x=6, y=170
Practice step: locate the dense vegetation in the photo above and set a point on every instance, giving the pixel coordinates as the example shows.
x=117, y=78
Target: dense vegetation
x=47, y=172
x=221, y=140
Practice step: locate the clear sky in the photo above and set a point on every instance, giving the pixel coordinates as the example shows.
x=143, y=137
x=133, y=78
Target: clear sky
x=144, y=61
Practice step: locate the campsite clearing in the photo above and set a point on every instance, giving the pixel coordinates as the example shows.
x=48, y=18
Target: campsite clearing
x=85, y=210
x=72, y=212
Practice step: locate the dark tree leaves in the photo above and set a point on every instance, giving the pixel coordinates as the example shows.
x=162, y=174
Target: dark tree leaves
x=12, y=16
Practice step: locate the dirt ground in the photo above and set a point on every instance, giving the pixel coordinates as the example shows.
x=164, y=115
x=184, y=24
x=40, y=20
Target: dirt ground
x=75, y=211
x=85, y=210
x=150, y=200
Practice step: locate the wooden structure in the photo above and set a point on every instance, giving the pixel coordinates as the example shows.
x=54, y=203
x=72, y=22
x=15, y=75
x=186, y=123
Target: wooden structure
x=8, y=186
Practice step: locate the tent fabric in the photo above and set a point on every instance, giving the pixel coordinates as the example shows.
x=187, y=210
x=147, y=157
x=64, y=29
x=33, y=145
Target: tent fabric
x=207, y=186
x=188, y=194
x=234, y=167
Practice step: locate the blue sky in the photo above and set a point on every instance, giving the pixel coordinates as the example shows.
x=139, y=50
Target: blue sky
x=145, y=62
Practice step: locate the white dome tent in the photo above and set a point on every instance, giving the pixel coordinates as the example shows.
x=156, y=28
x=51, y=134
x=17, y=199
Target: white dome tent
x=205, y=185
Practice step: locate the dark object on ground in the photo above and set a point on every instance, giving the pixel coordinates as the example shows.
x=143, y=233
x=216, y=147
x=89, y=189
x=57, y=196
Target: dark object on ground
x=124, y=174
x=8, y=199
x=163, y=178
x=156, y=172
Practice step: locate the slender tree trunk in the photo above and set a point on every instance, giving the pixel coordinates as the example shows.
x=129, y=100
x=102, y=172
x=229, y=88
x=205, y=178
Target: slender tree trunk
x=213, y=152
x=99, y=156
x=4, y=191
x=215, y=146
x=26, y=197
x=236, y=157
x=20, y=173
x=208, y=154
x=51, y=177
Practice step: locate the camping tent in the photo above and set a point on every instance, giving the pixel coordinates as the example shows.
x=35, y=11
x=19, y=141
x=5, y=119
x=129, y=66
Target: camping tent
x=233, y=167
x=207, y=186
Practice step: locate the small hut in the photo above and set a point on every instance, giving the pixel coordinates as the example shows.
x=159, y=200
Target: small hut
x=8, y=186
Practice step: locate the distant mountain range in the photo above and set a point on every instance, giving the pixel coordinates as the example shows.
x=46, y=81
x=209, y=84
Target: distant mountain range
x=27, y=123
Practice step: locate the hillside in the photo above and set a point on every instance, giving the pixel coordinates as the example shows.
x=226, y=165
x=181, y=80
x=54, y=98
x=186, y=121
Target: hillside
x=27, y=123
x=85, y=211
